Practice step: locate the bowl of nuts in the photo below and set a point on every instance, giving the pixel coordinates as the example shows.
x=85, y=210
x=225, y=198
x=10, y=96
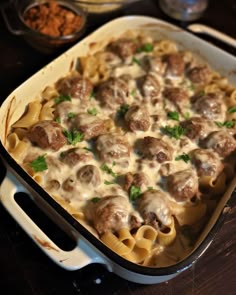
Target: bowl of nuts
x=48, y=25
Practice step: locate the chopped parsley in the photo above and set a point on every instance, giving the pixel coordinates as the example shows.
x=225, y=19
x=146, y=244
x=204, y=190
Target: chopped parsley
x=186, y=115
x=148, y=47
x=108, y=170
x=88, y=149
x=177, y=131
x=58, y=120
x=62, y=98
x=133, y=92
x=92, y=111
x=185, y=157
x=201, y=93
x=173, y=116
x=39, y=164
x=232, y=110
x=123, y=110
x=136, y=61
x=227, y=124
x=70, y=115
x=74, y=136
x=108, y=182
x=92, y=94
x=150, y=188
x=134, y=193
x=95, y=199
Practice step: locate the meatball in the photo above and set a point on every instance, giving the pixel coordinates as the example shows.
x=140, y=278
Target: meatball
x=47, y=135
x=210, y=106
x=77, y=87
x=69, y=184
x=156, y=149
x=221, y=142
x=112, y=146
x=137, y=118
x=196, y=128
x=200, y=75
x=138, y=179
x=113, y=92
x=73, y=156
x=207, y=162
x=175, y=64
x=154, y=209
x=176, y=95
x=89, y=175
x=90, y=126
x=182, y=185
x=150, y=86
x=123, y=47
x=109, y=213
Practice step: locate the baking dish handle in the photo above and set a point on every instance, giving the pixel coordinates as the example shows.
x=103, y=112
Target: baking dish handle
x=77, y=258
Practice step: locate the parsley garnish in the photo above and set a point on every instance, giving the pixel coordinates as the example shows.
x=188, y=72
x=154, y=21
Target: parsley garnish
x=135, y=60
x=70, y=115
x=108, y=182
x=150, y=188
x=134, y=193
x=88, y=149
x=123, y=110
x=108, y=170
x=58, y=120
x=201, y=93
x=227, y=124
x=62, y=98
x=184, y=157
x=133, y=92
x=39, y=164
x=95, y=199
x=177, y=131
x=148, y=47
x=74, y=136
x=232, y=110
x=92, y=111
x=186, y=115
x=92, y=94
x=173, y=116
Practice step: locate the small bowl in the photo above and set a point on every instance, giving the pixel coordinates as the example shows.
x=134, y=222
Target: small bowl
x=45, y=42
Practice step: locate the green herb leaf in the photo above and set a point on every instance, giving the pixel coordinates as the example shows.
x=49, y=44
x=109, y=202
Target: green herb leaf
x=232, y=110
x=148, y=47
x=58, y=120
x=39, y=164
x=227, y=124
x=70, y=115
x=185, y=157
x=62, y=98
x=150, y=188
x=92, y=111
x=186, y=115
x=173, y=116
x=74, y=136
x=88, y=149
x=123, y=110
x=177, y=131
x=133, y=92
x=201, y=93
x=135, y=60
x=108, y=170
x=95, y=199
x=108, y=182
x=92, y=94
x=134, y=193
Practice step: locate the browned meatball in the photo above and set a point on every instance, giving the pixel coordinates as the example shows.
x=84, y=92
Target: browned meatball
x=113, y=92
x=154, y=209
x=90, y=126
x=207, y=162
x=182, y=185
x=210, y=106
x=221, y=142
x=196, y=128
x=175, y=64
x=89, y=175
x=176, y=95
x=77, y=87
x=150, y=86
x=73, y=156
x=109, y=213
x=200, y=75
x=156, y=149
x=123, y=47
x=112, y=146
x=137, y=118
x=138, y=179
x=47, y=135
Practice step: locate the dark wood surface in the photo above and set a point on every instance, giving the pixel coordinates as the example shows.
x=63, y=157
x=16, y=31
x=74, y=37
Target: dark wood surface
x=24, y=269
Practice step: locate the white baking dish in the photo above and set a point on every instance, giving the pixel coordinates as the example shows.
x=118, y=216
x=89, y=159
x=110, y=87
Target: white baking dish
x=90, y=249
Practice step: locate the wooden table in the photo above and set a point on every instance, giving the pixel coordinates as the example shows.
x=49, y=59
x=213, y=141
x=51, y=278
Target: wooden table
x=24, y=269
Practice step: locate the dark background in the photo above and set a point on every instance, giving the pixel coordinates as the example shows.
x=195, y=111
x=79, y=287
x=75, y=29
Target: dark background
x=24, y=269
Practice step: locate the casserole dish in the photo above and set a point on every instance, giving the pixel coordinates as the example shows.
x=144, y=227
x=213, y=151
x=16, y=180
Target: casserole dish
x=90, y=249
